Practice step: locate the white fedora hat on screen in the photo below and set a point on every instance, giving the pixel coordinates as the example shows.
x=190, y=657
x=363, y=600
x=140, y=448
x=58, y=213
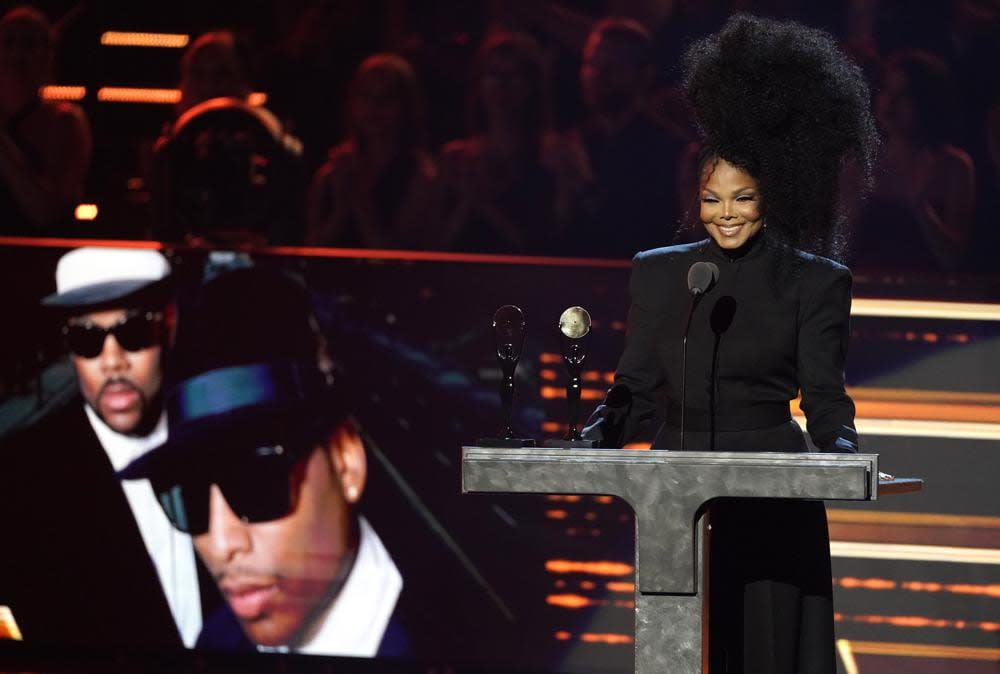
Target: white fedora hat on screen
x=92, y=276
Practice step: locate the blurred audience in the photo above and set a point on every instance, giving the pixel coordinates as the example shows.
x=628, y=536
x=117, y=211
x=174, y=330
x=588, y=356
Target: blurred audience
x=987, y=230
x=926, y=193
x=514, y=186
x=634, y=161
x=376, y=189
x=224, y=172
x=227, y=172
x=212, y=68
x=307, y=65
x=45, y=146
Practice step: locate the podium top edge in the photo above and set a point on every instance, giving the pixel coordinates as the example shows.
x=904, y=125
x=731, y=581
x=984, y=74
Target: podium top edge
x=655, y=455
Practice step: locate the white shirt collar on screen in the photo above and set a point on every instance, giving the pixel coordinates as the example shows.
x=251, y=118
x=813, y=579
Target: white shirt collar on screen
x=355, y=622
x=171, y=551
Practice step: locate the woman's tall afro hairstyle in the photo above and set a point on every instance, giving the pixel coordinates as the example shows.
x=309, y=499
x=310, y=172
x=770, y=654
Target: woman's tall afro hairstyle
x=784, y=103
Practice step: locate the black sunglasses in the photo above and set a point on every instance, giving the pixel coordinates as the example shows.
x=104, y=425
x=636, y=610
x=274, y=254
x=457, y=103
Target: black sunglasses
x=134, y=332
x=257, y=484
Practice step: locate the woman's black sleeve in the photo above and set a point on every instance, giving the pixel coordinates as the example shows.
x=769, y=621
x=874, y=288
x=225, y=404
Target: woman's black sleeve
x=824, y=331
x=633, y=399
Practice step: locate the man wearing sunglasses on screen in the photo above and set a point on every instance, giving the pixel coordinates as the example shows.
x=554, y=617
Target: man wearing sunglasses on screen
x=117, y=318
x=90, y=559
x=265, y=468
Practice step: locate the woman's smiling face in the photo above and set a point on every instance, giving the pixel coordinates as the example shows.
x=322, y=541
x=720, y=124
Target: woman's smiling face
x=730, y=204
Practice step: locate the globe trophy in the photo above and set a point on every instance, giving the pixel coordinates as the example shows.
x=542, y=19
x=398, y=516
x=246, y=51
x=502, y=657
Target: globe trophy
x=574, y=334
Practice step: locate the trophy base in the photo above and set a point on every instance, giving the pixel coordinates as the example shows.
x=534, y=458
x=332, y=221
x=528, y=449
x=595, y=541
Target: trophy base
x=505, y=442
x=570, y=444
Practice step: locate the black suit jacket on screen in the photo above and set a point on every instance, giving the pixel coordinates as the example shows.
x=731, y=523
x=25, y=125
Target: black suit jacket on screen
x=74, y=569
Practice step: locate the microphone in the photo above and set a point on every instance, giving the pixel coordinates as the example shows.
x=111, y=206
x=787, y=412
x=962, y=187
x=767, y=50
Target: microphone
x=701, y=277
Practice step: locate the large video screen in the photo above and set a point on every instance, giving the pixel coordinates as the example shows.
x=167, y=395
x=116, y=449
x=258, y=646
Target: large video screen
x=339, y=528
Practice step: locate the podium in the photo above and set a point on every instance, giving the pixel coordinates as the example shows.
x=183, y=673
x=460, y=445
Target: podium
x=669, y=492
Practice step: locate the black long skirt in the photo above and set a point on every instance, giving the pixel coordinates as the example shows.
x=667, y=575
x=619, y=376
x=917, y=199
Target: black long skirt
x=770, y=589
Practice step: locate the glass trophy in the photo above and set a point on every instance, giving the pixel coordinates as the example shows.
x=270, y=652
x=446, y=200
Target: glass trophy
x=508, y=335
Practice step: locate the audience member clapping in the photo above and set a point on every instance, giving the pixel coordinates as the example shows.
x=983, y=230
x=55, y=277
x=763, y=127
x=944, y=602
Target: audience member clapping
x=515, y=185
x=376, y=188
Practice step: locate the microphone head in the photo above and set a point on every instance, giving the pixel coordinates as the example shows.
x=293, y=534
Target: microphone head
x=701, y=277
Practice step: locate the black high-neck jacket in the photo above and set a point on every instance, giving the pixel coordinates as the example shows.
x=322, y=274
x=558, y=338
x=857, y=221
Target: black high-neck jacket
x=776, y=322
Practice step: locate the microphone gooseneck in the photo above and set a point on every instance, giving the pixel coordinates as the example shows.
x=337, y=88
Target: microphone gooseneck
x=700, y=279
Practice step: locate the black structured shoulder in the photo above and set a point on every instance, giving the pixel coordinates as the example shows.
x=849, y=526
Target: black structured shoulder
x=818, y=262
x=670, y=252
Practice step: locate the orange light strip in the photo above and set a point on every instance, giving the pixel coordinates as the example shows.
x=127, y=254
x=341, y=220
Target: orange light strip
x=595, y=637
x=920, y=622
x=554, y=392
x=867, y=307
x=862, y=306
x=114, y=38
x=924, y=395
x=430, y=256
x=138, y=95
x=62, y=92
x=157, y=96
x=52, y=242
x=573, y=601
x=879, y=584
x=960, y=311
x=613, y=639
x=920, y=406
x=954, y=588
x=918, y=428
x=618, y=586
x=914, y=553
x=842, y=515
x=871, y=409
x=850, y=583
x=601, y=568
x=925, y=651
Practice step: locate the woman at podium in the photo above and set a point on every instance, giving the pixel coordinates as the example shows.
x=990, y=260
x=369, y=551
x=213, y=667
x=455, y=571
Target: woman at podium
x=764, y=309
